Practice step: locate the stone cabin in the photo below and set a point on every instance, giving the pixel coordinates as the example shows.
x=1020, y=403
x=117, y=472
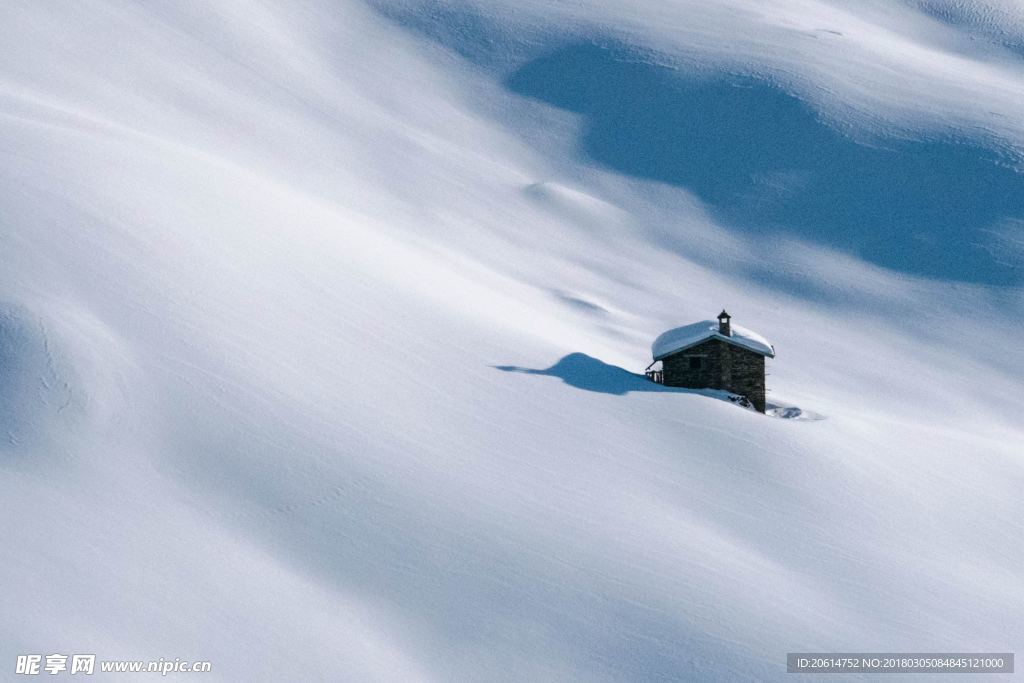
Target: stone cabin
x=713, y=355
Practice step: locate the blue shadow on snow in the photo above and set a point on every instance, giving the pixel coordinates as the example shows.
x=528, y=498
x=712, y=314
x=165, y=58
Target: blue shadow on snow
x=590, y=374
x=762, y=160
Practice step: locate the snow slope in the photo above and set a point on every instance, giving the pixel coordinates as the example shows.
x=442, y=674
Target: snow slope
x=315, y=320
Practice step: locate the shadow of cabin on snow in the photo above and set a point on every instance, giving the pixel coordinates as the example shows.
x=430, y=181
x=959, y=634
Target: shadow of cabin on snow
x=713, y=354
x=711, y=357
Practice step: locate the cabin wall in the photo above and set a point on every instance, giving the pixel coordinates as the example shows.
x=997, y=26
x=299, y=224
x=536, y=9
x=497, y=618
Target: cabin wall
x=723, y=366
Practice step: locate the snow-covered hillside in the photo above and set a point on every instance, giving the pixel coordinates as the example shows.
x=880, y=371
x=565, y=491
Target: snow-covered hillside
x=318, y=319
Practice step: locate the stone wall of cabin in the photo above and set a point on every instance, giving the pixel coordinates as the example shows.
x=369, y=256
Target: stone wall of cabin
x=723, y=366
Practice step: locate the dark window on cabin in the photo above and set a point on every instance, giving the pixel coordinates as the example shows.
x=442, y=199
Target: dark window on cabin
x=695, y=363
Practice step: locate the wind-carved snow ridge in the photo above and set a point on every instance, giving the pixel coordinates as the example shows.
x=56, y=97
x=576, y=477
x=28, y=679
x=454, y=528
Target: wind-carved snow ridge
x=998, y=22
x=61, y=376
x=35, y=389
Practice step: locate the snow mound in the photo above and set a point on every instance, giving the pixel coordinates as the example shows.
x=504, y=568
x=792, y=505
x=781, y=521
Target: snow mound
x=686, y=336
x=788, y=412
x=34, y=391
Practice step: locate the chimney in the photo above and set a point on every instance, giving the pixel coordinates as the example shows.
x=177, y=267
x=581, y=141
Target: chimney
x=723, y=324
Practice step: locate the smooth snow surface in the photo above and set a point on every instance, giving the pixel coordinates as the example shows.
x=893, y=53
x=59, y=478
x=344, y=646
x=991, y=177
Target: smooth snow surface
x=320, y=324
x=686, y=336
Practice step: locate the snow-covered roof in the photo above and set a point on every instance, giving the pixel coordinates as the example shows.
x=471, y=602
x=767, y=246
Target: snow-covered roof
x=690, y=335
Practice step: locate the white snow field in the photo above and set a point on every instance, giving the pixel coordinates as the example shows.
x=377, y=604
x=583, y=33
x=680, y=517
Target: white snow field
x=318, y=322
